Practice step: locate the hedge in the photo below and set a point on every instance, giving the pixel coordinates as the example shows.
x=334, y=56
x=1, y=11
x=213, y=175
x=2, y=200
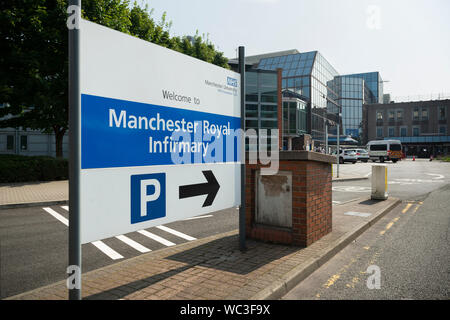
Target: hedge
x=17, y=168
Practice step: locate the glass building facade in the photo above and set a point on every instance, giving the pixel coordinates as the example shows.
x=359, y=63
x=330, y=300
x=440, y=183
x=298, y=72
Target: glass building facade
x=355, y=90
x=374, y=84
x=330, y=98
x=312, y=76
x=261, y=102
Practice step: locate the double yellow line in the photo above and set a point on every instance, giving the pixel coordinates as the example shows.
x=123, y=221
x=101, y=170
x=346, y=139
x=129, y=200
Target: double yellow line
x=405, y=210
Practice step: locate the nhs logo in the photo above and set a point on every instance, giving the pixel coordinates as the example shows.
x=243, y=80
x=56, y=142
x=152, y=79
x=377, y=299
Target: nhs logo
x=148, y=197
x=232, y=82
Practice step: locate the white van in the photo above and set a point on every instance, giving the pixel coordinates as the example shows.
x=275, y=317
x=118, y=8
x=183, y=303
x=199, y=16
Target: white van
x=385, y=150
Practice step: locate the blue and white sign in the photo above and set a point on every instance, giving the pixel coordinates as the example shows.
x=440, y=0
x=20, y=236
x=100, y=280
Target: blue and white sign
x=158, y=135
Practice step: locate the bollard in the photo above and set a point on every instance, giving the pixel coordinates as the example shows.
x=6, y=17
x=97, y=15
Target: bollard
x=379, y=182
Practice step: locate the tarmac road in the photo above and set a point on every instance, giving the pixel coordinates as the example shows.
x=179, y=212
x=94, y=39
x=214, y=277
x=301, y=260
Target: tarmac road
x=409, y=249
x=407, y=180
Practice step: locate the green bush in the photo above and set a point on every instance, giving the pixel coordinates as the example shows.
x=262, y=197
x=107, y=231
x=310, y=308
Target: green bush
x=16, y=168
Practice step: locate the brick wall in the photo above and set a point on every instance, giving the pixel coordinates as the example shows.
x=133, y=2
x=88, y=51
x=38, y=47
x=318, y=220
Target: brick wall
x=311, y=204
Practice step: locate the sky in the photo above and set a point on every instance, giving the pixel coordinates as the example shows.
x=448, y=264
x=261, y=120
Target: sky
x=407, y=41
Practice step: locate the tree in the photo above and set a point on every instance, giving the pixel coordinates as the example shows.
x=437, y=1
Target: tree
x=34, y=55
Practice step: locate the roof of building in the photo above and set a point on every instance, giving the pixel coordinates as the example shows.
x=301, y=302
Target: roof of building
x=255, y=59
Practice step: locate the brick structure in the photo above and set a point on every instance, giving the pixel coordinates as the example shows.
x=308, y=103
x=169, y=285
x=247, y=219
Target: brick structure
x=311, y=199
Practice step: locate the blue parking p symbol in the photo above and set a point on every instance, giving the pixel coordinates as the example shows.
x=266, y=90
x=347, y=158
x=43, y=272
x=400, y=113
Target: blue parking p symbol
x=148, y=197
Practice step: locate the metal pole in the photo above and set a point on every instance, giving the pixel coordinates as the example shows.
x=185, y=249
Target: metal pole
x=337, y=152
x=242, y=245
x=326, y=138
x=74, y=153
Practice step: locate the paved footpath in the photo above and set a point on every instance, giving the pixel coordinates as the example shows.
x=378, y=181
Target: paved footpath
x=33, y=193
x=214, y=268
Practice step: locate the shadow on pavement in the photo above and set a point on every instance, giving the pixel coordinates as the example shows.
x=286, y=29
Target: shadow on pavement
x=222, y=254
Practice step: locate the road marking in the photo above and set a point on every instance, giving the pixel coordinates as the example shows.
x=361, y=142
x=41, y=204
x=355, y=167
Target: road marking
x=355, y=280
x=57, y=216
x=107, y=250
x=99, y=244
x=439, y=176
x=417, y=207
x=351, y=189
x=133, y=244
x=414, y=181
x=199, y=217
x=389, y=225
x=407, y=208
x=177, y=233
x=156, y=238
x=332, y=280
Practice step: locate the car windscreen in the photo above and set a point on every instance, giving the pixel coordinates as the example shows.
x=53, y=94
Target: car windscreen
x=378, y=147
x=396, y=147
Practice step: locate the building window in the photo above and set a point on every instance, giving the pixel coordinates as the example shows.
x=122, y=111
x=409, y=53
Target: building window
x=23, y=142
x=416, y=114
x=416, y=131
x=391, y=132
x=442, y=115
x=380, y=132
x=391, y=116
x=443, y=130
x=424, y=114
x=10, y=142
x=379, y=115
x=399, y=115
x=403, y=132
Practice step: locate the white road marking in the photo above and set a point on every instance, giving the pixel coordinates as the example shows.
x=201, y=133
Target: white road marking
x=199, y=217
x=107, y=250
x=99, y=244
x=156, y=238
x=133, y=244
x=439, y=176
x=177, y=233
x=57, y=216
x=351, y=189
x=414, y=181
x=336, y=202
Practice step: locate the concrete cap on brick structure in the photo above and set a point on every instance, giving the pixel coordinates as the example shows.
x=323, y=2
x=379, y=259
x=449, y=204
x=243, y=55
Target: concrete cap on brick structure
x=298, y=155
x=306, y=156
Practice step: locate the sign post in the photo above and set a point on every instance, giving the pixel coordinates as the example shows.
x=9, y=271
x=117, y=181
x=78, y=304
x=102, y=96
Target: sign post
x=242, y=245
x=74, y=153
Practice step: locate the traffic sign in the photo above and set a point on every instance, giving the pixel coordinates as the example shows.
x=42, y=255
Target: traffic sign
x=159, y=135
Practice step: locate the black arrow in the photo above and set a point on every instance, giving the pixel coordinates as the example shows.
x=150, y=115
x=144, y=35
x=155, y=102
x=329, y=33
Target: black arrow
x=210, y=188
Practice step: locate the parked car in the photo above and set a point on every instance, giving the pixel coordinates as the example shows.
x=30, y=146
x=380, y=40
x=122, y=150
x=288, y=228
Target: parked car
x=361, y=154
x=347, y=156
x=385, y=150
